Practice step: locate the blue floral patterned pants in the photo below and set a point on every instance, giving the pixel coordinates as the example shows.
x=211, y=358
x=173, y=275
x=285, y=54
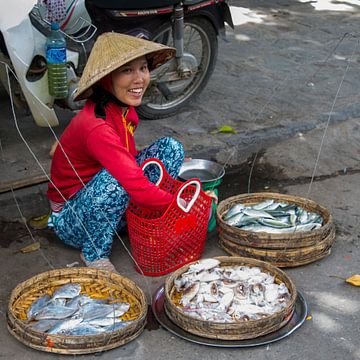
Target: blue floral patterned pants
x=90, y=219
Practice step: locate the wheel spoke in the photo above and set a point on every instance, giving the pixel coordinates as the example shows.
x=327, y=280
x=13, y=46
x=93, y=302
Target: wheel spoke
x=197, y=55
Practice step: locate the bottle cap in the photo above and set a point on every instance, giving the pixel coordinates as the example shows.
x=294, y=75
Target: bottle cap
x=55, y=26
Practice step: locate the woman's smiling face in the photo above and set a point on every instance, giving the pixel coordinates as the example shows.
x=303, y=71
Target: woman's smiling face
x=130, y=81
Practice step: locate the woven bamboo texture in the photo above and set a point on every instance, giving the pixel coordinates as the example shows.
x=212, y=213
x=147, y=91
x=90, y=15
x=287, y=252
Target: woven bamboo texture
x=283, y=249
x=286, y=257
x=240, y=330
x=99, y=284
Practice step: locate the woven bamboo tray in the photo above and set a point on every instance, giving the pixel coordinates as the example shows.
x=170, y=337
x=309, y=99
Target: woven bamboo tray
x=274, y=241
x=98, y=284
x=286, y=257
x=231, y=331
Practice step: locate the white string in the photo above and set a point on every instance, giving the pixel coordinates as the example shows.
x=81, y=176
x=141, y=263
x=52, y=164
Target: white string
x=33, y=154
x=78, y=176
x=282, y=82
x=328, y=119
x=102, y=212
x=274, y=91
x=21, y=214
x=251, y=171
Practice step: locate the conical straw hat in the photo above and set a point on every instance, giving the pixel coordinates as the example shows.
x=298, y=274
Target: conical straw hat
x=112, y=50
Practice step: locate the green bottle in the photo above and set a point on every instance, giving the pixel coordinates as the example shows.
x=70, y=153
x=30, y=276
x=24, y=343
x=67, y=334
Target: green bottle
x=56, y=60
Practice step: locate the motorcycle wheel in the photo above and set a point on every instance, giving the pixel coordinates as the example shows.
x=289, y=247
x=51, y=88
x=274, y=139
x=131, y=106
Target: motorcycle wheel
x=170, y=88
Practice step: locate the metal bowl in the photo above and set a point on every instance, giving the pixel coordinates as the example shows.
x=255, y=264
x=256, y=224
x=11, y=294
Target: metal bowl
x=205, y=170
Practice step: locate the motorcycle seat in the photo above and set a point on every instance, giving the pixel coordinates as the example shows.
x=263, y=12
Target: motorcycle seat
x=133, y=5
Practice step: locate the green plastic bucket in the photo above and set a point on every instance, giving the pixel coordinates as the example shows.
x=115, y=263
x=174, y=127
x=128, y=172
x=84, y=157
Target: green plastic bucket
x=210, y=174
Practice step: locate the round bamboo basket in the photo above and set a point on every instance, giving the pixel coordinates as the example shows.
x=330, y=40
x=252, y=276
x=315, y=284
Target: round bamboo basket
x=240, y=330
x=283, y=249
x=285, y=257
x=98, y=284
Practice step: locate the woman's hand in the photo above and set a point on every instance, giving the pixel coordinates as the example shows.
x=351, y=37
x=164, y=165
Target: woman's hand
x=212, y=194
x=187, y=159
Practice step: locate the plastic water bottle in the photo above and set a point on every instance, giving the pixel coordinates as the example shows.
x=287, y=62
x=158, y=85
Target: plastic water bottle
x=56, y=60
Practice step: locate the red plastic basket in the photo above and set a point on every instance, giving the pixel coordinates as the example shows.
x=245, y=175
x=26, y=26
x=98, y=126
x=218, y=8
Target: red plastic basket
x=163, y=241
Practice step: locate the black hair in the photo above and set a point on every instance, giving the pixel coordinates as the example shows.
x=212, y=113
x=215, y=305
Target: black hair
x=101, y=98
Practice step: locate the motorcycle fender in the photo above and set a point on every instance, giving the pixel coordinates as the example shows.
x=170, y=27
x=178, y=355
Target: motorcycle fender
x=218, y=14
x=227, y=14
x=36, y=93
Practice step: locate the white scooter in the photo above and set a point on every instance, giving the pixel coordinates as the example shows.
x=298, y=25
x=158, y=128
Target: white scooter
x=191, y=26
x=24, y=48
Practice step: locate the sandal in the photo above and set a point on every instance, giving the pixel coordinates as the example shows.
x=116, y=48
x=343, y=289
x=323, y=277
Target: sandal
x=101, y=264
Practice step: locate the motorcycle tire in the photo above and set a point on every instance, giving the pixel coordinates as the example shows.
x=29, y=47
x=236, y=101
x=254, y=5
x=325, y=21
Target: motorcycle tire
x=168, y=92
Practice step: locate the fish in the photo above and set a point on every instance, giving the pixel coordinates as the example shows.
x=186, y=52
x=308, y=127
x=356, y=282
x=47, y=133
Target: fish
x=240, y=293
x=258, y=214
x=271, y=292
x=118, y=309
x=68, y=312
x=117, y=326
x=264, y=205
x=81, y=300
x=233, y=211
x=205, y=264
x=63, y=326
x=54, y=312
x=245, y=220
x=273, y=223
x=67, y=291
x=236, y=219
x=36, y=306
x=84, y=329
x=93, y=310
x=44, y=325
x=104, y=321
x=208, y=276
x=189, y=293
x=272, y=217
x=226, y=300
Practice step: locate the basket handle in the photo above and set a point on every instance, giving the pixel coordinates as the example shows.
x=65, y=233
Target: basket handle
x=192, y=201
x=157, y=162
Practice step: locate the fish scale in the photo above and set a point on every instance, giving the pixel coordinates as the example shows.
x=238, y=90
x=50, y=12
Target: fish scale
x=68, y=313
x=272, y=217
x=253, y=295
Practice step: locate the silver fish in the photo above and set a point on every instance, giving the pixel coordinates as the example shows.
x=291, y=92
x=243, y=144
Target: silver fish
x=54, y=312
x=238, y=208
x=44, y=325
x=117, y=326
x=105, y=321
x=257, y=214
x=84, y=329
x=37, y=305
x=244, y=220
x=263, y=205
x=273, y=223
x=118, y=309
x=58, y=302
x=67, y=291
x=81, y=300
x=94, y=311
x=266, y=229
x=64, y=326
x=235, y=220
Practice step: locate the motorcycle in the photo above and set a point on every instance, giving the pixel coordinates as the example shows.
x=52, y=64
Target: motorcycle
x=191, y=26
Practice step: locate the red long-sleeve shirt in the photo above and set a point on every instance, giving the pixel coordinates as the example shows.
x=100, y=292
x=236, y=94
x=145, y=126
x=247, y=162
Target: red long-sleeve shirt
x=92, y=143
